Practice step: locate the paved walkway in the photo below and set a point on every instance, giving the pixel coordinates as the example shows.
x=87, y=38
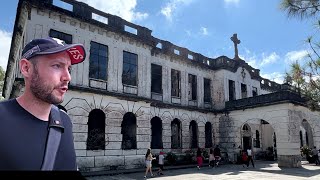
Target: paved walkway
x=265, y=170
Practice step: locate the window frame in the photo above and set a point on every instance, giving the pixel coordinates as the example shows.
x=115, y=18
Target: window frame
x=126, y=59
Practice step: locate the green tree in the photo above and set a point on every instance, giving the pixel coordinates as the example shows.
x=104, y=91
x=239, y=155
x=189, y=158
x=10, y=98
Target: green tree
x=305, y=74
x=2, y=75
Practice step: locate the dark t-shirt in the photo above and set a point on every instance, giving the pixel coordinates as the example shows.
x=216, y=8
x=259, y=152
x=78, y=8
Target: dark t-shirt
x=23, y=138
x=216, y=152
x=199, y=154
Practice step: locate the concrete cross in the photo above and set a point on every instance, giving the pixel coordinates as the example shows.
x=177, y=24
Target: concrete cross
x=235, y=41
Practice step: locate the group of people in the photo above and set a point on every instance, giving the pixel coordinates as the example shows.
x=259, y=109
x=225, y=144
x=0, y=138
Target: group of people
x=247, y=157
x=315, y=155
x=214, y=157
x=149, y=158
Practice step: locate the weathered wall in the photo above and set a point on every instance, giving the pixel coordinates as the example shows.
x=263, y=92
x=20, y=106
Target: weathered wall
x=79, y=106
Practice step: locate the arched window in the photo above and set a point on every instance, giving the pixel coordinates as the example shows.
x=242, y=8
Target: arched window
x=176, y=134
x=129, y=131
x=208, y=135
x=96, y=130
x=193, y=131
x=156, y=133
x=245, y=127
x=257, y=139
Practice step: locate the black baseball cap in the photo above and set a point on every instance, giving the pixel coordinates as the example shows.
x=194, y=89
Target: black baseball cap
x=49, y=45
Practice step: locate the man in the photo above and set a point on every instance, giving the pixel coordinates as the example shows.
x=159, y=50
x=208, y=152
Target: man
x=45, y=66
x=315, y=155
x=217, y=155
x=250, y=157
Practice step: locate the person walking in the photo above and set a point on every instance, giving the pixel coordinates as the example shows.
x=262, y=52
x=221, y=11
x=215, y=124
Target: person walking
x=217, y=155
x=28, y=120
x=250, y=157
x=315, y=155
x=244, y=158
x=211, y=158
x=199, y=158
x=148, y=159
x=161, y=163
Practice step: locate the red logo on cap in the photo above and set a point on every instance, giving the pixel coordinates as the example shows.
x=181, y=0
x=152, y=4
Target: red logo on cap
x=76, y=54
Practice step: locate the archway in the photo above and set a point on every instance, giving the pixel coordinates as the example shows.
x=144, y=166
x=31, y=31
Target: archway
x=246, y=136
x=193, y=132
x=156, y=133
x=208, y=135
x=176, y=134
x=129, y=131
x=260, y=135
x=96, y=130
x=306, y=134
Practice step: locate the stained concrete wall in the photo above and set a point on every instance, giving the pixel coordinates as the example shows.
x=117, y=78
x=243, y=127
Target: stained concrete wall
x=283, y=118
x=79, y=105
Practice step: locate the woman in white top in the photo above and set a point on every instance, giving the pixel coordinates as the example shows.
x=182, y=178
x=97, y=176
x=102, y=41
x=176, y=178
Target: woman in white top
x=149, y=159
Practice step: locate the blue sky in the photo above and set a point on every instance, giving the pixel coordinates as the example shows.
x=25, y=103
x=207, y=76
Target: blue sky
x=269, y=39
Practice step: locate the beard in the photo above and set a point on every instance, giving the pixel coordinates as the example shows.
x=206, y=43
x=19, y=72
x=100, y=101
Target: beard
x=42, y=90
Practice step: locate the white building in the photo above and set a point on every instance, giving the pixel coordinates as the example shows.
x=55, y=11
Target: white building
x=135, y=91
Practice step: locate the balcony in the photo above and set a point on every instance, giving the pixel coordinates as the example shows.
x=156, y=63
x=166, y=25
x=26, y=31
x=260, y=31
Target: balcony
x=266, y=99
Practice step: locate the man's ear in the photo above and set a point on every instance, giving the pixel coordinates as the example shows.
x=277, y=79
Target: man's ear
x=25, y=67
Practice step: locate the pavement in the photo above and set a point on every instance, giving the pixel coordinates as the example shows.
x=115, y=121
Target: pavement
x=264, y=170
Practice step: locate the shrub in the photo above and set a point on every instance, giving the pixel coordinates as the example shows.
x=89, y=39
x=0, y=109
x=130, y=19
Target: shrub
x=171, y=158
x=189, y=156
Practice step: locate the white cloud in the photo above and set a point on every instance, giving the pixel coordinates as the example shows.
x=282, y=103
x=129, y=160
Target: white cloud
x=169, y=9
x=259, y=61
x=294, y=56
x=5, y=39
x=251, y=60
x=122, y=8
x=275, y=76
x=272, y=58
x=204, y=31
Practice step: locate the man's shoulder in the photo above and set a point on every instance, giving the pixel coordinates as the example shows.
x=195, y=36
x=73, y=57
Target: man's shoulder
x=7, y=103
x=65, y=117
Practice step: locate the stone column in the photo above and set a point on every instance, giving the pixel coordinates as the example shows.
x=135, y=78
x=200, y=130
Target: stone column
x=288, y=141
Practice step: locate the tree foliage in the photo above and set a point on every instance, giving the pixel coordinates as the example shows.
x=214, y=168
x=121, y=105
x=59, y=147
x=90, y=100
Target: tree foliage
x=305, y=74
x=301, y=8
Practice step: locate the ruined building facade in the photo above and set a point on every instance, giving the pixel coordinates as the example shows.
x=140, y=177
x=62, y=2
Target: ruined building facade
x=135, y=91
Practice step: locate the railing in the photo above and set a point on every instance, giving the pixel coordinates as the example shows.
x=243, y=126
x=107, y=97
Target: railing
x=266, y=99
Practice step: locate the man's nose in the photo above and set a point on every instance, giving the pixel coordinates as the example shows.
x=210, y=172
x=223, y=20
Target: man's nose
x=66, y=76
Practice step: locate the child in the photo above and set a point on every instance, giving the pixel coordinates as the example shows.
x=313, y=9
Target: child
x=211, y=158
x=199, y=158
x=244, y=158
x=161, y=158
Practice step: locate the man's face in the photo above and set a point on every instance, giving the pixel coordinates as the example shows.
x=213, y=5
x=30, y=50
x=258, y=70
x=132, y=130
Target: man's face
x=50, y=78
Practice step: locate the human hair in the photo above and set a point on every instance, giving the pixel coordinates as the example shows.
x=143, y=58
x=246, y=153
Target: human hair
x=148, y=152
x=34, y=60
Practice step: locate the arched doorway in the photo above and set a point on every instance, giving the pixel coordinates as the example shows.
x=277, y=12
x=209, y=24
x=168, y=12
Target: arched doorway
x=306, y=134
x=156, y=133
x=193, y=132
x=208, y=135
x=129, y=131
x=96, y=130
x=246, y=136
x=176, y=134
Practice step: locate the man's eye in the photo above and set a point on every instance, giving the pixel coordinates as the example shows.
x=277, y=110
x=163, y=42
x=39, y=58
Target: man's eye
x=56, y=65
